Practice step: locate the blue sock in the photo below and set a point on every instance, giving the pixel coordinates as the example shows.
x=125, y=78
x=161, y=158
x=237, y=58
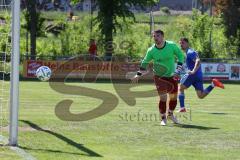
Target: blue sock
x=209, y=88
x=181, y=97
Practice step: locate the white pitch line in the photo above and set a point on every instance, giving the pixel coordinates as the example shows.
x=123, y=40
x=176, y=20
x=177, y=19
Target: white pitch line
x=18, y=150
x=22, y=153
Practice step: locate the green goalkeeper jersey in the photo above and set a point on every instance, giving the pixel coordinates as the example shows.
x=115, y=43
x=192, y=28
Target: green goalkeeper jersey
x=163, y=59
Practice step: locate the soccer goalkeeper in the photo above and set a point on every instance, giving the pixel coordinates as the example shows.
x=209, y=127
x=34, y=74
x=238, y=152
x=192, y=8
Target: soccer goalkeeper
x=163, y=54
x=193, y=76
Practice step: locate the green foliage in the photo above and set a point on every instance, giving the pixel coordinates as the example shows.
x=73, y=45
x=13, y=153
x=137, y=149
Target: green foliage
x=202, y=29
x=165, y=10
x=71, y=41
x=74, y=1
x=133, y=41
x=198, y=30
x=179, y=27
x=74, y=39
x=27, y=23
x=108, y=17
x=48, y=47
x=233, y=45
x=230, y=12
x=109, y=11
x=5, y=39
x=162, y=19
x=221, y=45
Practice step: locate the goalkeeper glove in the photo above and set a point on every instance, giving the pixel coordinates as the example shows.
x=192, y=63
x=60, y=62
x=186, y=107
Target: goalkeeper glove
x=142, y=72
x=179, y=69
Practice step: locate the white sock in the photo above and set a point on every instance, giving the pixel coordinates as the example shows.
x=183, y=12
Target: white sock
x=212, y=84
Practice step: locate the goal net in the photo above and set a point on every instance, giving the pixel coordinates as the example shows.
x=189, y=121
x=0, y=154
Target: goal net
x=5, y=54
x=9, y=63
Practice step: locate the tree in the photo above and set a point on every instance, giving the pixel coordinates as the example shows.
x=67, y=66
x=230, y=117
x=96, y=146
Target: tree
x=108, y=17
x=230, y=11
x=231, y=14
x=202, y=27
x=109, y=14
x=33, y=24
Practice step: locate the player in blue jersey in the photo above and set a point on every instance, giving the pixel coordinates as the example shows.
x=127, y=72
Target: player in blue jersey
x=193, y=76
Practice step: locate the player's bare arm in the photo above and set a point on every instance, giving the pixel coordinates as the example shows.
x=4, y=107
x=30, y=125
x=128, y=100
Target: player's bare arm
x=196, y=66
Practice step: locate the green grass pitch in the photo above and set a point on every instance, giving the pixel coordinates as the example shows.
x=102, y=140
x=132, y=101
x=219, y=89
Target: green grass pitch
x=127, y=132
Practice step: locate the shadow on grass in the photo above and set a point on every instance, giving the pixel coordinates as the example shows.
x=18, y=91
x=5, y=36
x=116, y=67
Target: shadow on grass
x=194, y=126
x=218, y=113
x=51, y=150
x=65, y=139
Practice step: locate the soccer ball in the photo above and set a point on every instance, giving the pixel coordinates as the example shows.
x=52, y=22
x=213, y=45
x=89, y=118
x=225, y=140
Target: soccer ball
x=43, y=73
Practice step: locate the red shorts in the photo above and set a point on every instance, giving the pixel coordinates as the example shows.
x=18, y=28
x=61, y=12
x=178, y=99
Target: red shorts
x=166, y=84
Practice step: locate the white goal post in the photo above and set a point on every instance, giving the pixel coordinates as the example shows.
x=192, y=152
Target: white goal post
x=15, y=57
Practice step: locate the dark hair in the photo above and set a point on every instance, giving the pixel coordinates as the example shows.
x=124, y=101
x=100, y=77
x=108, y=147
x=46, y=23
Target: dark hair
x=184, y=39
x=159, y=32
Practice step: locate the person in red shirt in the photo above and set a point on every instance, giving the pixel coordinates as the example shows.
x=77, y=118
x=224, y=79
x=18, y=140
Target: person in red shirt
x=92, y=49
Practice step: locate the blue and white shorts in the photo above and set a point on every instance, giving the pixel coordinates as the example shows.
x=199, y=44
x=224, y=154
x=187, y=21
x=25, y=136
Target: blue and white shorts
x=195, y=80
